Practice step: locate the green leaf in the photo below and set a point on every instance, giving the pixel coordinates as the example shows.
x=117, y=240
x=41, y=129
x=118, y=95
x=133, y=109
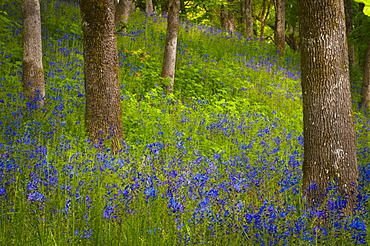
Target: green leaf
x=367, y=6
x=367, y=10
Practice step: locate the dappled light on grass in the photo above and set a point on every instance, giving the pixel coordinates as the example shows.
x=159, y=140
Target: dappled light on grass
x=217, y=163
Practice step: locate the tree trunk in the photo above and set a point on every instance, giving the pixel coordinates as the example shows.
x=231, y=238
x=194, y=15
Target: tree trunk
x=266, y=4
x=247, y=19
x=164, y=8
x=349, y=30
x=103, y=107
x=149, y=6
x=123, y=9
x=169, y=58
x=279, y=32
x=329, y=138
x=227, y=17
x=33, y=71
x=183, y=11
x=365, y=104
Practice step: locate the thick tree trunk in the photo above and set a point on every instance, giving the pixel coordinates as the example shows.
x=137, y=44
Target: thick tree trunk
x=227, y=17
x=149, y=6
x=329, y=138
x=33, y=71
x=279, y=32
x=169, y=58
x=349, y=30
x=365, y=104
x=123, y=9
x=246, y=17
x=103, y=106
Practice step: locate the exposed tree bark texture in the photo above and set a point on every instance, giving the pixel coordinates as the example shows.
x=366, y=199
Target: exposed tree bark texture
x=279, y=32
x=103, y=107
x=123, y=9
x=349, y=30
x=365, y=104
x=227, y=16
x=149, y=6
x=33, y=71
x=169, y=58
x=247, y=18
x=329, y=138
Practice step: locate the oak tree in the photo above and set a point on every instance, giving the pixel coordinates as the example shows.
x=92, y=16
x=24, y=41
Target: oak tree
x=246, y=17
x=279, y=30
x=169, y=58
x=329, y=138
x=103, y=107
x=33, y=72
x=122, y=12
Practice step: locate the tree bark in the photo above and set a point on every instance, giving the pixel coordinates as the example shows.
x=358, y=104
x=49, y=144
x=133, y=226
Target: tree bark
x=247, y=18
x=123, y=9
x=164, y=7
x=266, y=4
x=228, y=17
x=103, y=107
x=33, y=71
x=169, y=58
x=349, y=30
x=279, y=32
x=329, y=138
x=365, y=104
x=149, y=6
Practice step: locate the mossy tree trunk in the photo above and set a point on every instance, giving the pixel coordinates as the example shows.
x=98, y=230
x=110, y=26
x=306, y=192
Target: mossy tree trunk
x=329, y=138
x=103, y=106
x=33, y=71
x=169, y=57
x=279, y=31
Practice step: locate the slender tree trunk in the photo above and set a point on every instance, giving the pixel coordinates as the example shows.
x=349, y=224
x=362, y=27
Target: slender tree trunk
x=149, y=6
x=228, y=17
x=164, y=8
x=123, y=9
x=291, y=39
x=33, y=71
x=365, y=104
x=266, y=4
x=279, y=32
x=183, y=8
x=329, y=138
x=103, y=107
x=349, y=30
x=247, y=19
x=169, y=58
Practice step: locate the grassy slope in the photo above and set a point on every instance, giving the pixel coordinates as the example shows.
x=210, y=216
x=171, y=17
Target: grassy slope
x=216, y=163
